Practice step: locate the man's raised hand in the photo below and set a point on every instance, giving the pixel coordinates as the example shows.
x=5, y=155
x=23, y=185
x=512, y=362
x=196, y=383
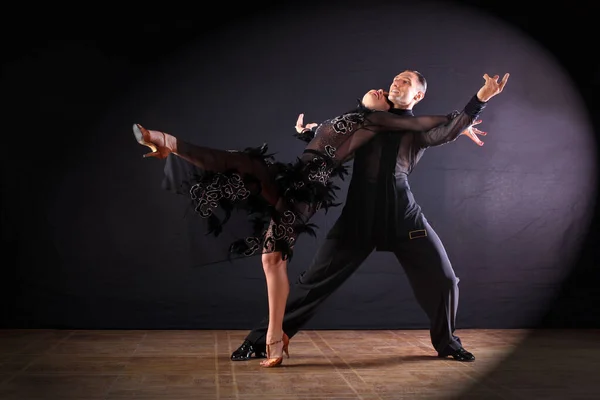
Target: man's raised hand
x=491, y=87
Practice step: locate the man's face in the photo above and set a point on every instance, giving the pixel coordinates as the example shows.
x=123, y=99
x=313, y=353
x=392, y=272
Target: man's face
x=405, y=90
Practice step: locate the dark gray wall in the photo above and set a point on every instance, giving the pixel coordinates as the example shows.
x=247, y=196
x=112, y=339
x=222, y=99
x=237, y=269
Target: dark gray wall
x=91, y=241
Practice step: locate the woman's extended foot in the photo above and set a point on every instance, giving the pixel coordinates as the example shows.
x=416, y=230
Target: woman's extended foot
x=162, y=144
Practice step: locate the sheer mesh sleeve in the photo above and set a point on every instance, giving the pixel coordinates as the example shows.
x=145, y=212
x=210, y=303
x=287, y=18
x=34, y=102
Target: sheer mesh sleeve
x=449, y=132
x=384, y=121
x=339, y=137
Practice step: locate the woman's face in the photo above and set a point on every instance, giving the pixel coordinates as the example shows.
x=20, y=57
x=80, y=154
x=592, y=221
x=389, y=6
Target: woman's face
x=376, y=100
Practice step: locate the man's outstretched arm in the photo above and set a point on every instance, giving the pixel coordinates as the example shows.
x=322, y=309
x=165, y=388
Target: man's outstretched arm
x=461, y=121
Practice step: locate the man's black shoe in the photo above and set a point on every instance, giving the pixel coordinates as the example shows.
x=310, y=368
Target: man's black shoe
x=459, y=355
x=247, y=349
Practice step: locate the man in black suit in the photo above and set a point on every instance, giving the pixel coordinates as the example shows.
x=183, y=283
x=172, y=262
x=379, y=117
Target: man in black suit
x=381, y=214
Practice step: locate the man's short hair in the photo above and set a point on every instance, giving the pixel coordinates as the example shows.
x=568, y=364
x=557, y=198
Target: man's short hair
x=421, y=79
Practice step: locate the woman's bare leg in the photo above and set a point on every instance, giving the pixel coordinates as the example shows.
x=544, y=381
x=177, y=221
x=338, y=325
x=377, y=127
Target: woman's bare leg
x=207, y=158
x=278, y=288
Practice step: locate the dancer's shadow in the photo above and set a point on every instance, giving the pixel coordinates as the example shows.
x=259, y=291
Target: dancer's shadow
x=374, y=362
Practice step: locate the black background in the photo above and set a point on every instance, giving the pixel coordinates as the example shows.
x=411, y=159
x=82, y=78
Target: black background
x=44, y=116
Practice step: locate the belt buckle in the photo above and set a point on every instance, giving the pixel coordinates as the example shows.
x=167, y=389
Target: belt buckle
x=419, y=233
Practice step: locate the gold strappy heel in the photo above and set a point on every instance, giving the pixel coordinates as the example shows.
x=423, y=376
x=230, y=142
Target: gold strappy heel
x=143, y=137
x=273, y=362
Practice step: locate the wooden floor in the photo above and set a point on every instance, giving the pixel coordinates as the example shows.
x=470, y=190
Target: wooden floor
x=173, y=365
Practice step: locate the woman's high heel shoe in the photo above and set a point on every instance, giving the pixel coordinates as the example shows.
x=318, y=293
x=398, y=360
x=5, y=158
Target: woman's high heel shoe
x=151, y=139
x=273, y=362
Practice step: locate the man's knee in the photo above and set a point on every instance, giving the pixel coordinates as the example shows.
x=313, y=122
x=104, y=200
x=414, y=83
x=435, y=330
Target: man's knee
x=443, y=276
x=449, y=282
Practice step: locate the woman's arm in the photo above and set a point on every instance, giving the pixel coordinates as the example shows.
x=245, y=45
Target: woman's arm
x=383, y=121
x=305, y=133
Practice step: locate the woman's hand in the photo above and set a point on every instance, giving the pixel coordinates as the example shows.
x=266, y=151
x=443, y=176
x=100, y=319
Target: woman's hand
x=300, y=124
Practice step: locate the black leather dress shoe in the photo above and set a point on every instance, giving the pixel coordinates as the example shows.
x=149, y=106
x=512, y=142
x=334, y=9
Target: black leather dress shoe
x=459, y=355
x=247, y=349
